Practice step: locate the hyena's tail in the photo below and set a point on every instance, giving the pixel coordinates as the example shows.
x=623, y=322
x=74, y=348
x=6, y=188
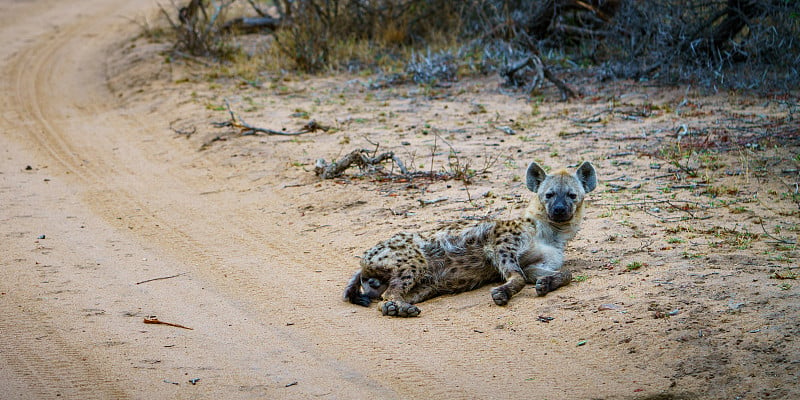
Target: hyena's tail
x=353, y=294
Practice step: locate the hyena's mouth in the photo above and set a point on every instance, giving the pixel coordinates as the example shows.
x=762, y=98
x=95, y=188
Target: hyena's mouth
x=559, y=213
x=560, y=217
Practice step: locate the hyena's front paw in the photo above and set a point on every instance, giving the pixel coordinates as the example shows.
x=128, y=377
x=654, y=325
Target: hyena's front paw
x=501, y=295
x=547, y=284
x=399, y=309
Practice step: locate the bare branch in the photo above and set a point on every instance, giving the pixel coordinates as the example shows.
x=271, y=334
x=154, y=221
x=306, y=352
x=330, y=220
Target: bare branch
x=246, y=129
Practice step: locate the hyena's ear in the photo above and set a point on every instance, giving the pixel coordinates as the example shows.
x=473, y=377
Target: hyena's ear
x=536, y=176
x=587, y=176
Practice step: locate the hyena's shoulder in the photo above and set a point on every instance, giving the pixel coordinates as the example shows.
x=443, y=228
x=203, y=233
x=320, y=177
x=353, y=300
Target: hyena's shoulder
x=512, y=227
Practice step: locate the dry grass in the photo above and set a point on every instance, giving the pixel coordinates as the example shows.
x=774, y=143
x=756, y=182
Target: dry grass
x=665, y=40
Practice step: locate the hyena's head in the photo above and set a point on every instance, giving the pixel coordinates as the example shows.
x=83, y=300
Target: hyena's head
x=373, y=287
x=561, y=193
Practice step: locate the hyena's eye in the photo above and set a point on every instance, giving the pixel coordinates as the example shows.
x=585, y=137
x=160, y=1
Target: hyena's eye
x=573, y=196
x=549, y=195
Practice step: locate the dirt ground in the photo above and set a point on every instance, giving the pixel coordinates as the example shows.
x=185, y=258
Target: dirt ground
x=112, y=175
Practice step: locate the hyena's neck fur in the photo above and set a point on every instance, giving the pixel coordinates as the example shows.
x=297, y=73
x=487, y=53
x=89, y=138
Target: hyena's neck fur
x=552, y=232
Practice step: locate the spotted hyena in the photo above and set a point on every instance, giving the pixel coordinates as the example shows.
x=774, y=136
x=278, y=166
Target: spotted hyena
x=409, y=268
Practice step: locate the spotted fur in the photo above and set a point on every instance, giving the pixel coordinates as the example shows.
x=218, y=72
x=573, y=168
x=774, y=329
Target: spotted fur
x=409, y=268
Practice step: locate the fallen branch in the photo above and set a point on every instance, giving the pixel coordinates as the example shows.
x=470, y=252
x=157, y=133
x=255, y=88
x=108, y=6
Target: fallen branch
x=434, y=201
x=644, y=247
x=777, y=239
x=566, y=91
x=184, y=132
x=534, y=63
x=541, y=72
x=359, y=157
x=653, y=201
x=154, y=320
x=164, y=277
x=246, y=129
x=252, y=24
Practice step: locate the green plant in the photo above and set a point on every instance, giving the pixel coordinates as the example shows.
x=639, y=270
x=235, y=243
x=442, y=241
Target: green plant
x=633, y=266
x=580, y=278
x=687, y=254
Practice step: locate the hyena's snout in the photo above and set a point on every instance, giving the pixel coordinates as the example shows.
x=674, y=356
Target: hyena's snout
x=561, y=209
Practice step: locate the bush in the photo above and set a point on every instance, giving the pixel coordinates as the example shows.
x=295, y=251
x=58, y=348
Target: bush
x=739, y=44
x=317, y=30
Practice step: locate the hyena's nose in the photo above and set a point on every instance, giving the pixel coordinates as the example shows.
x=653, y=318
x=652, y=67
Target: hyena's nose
x=560, y=212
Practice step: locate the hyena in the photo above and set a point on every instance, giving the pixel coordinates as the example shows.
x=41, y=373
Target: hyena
x=409, y=268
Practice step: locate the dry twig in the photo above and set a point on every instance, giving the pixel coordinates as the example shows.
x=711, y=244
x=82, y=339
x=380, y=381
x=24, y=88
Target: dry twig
x=184, y=132
x=777, y=239
x=154, y=320
x=161, y=278
x=541, y=72
x=246, y=129
x=359, y=157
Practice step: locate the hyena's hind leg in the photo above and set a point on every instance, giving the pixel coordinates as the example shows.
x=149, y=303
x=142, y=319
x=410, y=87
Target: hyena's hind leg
x=405, y=307
x=399, y=263
x=398, y=308
x=404, y=290
x=399, y=296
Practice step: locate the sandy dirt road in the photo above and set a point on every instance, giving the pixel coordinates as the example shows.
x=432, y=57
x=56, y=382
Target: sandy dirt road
x=115, y=206
x=96, y=197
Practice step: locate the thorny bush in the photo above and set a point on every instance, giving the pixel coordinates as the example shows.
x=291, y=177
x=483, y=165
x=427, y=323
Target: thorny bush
x=738, y=44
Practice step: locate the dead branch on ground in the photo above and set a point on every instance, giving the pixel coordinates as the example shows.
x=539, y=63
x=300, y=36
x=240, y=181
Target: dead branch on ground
x=540, y=73
x=180, y=131
x=161, y=278
x=252, y=24
x=154, y=320
x=358, y=157
x=246, y=129
x=362, y=159
x=645, y=245
x=773, y=237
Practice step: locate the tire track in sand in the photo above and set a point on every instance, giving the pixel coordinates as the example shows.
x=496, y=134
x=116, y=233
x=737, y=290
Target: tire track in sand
x=331, y=347
x=35, y=76
x=47, y=364
x=35, y=72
